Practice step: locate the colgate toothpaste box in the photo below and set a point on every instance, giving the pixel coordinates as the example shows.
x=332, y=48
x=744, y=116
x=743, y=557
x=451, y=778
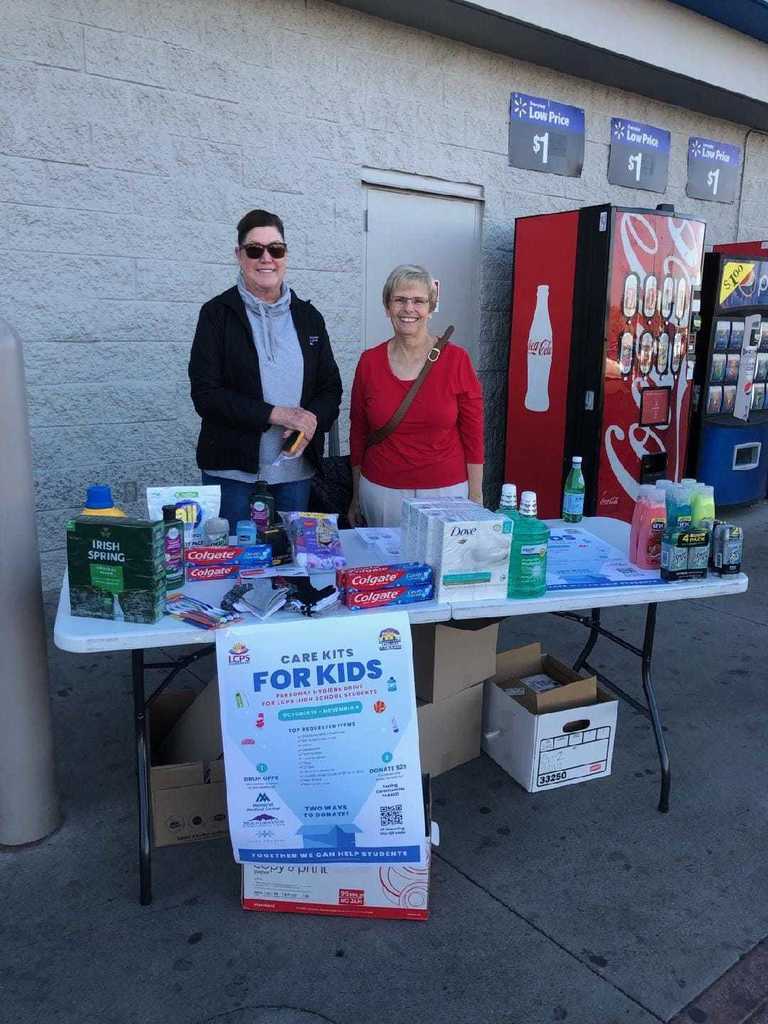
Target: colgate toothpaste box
x=388, y=596
x=230, y=554
x=376, y=577
x=211, y=573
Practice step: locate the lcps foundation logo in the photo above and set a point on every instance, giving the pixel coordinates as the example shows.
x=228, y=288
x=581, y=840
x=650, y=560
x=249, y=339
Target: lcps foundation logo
x=390, y=640
x=238, y=654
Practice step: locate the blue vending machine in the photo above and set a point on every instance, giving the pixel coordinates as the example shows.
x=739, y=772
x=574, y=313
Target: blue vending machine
x=729, y=432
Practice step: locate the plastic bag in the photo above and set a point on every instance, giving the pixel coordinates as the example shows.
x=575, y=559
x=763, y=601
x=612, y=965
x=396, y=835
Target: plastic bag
x=315, y=540
x=193, y=505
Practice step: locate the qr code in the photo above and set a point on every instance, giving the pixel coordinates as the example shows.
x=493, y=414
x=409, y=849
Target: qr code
x=391, y=815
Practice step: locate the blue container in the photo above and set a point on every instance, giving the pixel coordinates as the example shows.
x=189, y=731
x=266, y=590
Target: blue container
x=734, y=459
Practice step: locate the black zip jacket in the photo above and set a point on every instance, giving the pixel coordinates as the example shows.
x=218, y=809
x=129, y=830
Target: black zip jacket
x=226, y=383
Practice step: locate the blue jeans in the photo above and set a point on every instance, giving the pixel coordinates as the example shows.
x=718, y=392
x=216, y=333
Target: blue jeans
x=292, y=496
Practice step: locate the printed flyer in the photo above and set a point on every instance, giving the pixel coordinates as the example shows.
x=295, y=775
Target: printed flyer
x=321, y=743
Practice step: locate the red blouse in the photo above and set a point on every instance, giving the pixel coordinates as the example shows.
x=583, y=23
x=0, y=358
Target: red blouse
x=441, y=432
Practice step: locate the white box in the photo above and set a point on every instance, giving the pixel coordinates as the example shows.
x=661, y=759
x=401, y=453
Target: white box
x=546, y=751
x=350, y=890
x=471, y=560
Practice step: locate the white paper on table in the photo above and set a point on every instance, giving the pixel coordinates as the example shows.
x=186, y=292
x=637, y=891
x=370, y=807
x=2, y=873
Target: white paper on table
x=384, y=538
x=577, y=559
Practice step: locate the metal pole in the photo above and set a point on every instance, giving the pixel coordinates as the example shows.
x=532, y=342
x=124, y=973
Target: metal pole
x=29, y=806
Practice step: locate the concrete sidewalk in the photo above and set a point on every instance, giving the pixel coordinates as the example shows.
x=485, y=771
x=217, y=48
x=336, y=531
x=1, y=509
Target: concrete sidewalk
x=582, y=905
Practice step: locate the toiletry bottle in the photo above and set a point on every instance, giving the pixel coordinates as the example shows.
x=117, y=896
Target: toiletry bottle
x=528, y=555
x=99, y=502
x=262, y=505
x=650, y=530
x=173, y=547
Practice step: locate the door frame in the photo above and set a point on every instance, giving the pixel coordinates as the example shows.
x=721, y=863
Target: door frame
x=419, y=184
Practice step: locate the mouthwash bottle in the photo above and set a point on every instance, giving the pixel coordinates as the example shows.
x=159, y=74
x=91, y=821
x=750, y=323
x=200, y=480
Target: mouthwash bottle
x=573, y=494
x=528, y=555
x=508, y=503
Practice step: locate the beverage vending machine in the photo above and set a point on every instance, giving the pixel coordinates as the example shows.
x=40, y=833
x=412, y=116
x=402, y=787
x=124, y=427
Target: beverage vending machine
x=600, y=360
x=729, y=430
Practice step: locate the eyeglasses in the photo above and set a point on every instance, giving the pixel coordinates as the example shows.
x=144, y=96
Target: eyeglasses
x=403, y=300
x=276, y=250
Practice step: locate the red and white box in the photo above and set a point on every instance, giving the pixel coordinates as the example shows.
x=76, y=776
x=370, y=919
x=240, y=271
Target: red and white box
x=385, y=597
x=376, y=577
x=399, y=891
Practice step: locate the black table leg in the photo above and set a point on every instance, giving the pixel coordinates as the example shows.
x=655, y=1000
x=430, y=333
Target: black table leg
x=650, y=708
x=141, y=724
x=594, y=633
x=653, y=710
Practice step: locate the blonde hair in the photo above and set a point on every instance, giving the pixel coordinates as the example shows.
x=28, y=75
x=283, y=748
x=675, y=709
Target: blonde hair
x=410, y=273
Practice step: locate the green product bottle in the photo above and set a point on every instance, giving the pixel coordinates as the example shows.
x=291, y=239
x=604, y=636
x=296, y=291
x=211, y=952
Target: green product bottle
x=508, y=503
x=528, y=555
x=573, y=494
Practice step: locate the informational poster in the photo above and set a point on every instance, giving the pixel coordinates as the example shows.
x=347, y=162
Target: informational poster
x=747, y=367
x=639, y=156
x=545, y=135
x=321, y=743
x=714, y=169
x=577, y=559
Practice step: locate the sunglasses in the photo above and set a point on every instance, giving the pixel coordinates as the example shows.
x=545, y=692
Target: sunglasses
x=276, y=250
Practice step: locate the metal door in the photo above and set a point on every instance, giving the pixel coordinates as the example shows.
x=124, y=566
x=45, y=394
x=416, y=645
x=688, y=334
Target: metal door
x=440, y=233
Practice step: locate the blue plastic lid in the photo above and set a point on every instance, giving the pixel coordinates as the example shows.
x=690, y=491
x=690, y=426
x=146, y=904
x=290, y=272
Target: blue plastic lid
x=99, y=496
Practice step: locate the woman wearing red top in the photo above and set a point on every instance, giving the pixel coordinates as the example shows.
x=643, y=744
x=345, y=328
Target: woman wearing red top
x=437, y=449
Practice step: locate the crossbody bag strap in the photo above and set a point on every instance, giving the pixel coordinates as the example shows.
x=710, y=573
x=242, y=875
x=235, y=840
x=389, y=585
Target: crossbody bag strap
x=397, y=416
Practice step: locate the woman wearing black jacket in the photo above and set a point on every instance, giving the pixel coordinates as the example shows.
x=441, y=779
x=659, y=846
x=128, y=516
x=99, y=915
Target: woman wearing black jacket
x=261, y=367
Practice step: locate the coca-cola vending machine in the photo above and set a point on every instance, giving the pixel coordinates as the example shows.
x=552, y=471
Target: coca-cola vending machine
x=601, y=352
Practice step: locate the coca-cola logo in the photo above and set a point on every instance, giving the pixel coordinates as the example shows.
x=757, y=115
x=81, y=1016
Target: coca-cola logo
x=543, y=347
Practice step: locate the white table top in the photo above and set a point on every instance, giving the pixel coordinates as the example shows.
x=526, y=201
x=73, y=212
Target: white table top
x=85, y=634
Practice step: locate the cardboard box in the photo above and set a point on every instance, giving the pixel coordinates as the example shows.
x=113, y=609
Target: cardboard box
x=350, y=890
x=573, y=689
x=449, y=730
x=541, y=743
x=189, y=797
x=196, y=735
x=448, y=659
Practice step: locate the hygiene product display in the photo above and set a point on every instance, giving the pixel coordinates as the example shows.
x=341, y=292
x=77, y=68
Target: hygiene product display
x=193, y=506
x=117, y=568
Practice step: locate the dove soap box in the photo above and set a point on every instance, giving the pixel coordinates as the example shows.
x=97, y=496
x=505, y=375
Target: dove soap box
x=471, y=557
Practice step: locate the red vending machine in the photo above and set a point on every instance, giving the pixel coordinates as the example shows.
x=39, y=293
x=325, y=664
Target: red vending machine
x=601, y=352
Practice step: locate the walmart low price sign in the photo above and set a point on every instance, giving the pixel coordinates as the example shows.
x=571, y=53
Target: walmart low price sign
x=713, y=170
x=545, y=136
x=639, y=155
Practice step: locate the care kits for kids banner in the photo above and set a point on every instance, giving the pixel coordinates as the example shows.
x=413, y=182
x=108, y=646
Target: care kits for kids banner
x=321, y=741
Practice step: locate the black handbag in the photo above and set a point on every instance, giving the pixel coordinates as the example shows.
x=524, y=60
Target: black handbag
x=332, y=488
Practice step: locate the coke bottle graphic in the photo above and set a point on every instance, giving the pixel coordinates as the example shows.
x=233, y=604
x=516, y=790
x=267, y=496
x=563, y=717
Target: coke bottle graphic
x=539, y=354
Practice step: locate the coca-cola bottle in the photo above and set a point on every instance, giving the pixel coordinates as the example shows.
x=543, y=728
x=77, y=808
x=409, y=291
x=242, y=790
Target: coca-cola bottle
x=539, y=354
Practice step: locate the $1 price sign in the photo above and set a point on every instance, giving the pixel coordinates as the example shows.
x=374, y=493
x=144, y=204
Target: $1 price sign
x=714, y=170
x=639, y=155
x=545, y=135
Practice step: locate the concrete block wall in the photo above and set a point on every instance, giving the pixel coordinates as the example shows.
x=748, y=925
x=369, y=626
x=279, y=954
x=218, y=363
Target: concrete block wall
x=134, y=134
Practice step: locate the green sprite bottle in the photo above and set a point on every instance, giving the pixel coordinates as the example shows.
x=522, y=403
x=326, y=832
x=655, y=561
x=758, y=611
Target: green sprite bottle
x=573, y=494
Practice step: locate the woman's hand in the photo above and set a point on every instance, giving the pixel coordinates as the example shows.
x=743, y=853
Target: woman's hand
x=294, y=418
x=477, y=496
x=354, y=515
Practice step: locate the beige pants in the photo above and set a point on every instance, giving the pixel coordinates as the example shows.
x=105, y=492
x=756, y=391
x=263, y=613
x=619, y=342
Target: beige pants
x=381, y=505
